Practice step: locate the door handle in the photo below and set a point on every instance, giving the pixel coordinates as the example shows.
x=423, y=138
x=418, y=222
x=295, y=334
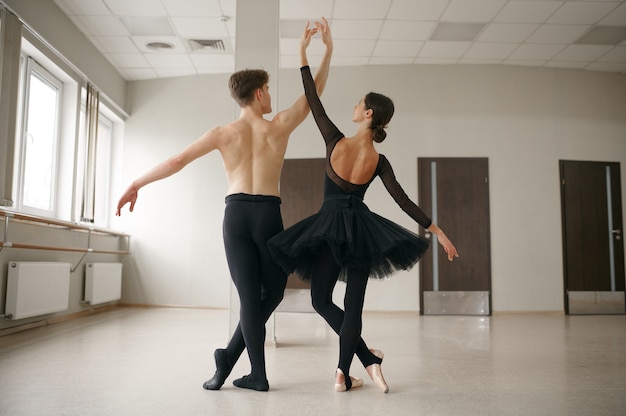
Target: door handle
x=616, y=232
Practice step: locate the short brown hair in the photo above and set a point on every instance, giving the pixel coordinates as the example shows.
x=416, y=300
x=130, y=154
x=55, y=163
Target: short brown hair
x=244, y=83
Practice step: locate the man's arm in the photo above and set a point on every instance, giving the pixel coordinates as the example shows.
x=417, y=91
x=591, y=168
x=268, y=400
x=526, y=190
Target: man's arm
x=205, y=144
x=293, y=116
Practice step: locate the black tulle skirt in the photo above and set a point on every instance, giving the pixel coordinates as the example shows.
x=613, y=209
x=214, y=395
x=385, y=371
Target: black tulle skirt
x=357, y=238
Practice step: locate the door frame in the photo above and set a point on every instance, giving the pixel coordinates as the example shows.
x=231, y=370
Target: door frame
x=447, y=186
x=592, y=229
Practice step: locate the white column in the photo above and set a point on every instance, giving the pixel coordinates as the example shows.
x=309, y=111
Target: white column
x=256, y=46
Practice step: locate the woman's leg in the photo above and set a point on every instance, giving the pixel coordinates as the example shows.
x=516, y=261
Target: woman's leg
x=350, y=332
x=323, y=282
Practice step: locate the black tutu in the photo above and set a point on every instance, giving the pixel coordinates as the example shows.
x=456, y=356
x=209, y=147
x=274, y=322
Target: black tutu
x=357, y=237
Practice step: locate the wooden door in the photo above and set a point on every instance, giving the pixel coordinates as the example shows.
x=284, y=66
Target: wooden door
x=302, y=194
x=454, y=192
x=593, y=247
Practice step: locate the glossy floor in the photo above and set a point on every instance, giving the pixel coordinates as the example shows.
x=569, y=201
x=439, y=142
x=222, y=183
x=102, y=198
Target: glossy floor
x=132, y=361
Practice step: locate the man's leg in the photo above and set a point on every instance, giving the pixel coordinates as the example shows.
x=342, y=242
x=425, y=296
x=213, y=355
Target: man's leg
x=268, y=222
x=242, y=257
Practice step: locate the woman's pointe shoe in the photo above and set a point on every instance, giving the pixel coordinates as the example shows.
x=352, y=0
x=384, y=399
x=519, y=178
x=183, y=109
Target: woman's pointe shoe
x=354, y=382
x=376, y=373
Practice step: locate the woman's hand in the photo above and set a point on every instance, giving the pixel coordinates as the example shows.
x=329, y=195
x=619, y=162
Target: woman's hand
x=305, y=40
x=445, y=242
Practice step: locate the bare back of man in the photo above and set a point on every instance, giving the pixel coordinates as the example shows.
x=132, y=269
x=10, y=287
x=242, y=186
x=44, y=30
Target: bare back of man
x=253, y=150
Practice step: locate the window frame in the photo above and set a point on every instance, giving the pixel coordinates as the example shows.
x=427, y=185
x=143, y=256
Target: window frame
x=29, y=68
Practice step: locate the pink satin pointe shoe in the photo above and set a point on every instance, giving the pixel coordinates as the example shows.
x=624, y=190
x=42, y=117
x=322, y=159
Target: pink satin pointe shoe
x=376, y=373
x=355, y=382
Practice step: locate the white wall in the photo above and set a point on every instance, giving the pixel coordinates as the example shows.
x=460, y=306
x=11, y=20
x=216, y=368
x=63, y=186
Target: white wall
x=48, y=22
x=523, y=119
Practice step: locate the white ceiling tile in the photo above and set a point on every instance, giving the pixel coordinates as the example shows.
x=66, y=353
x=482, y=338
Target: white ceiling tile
x=535, y=52
x=229, y=7
x=527, y=11
x=549, y=33
x=188, y=8
x=406, y=30
x=397, y=48
x=606, y=67
x=168, y=60
x=83, y=7
x=350, y=48
x=582, y=52
x=523, y=63
x=115, y=44
x=298, y=9
x=361, y=9
x=231, y=26
x=417, y=9
x=138, y=74
x=101, y=25
x=294, y=28
x=355, y=29
x=457, y=31
x=350, y=60
x=472, y=11
x=147, y=26
x=495, y=51
x=507, y=32
x=392, y=30
x=435, y=61
x=582, y=12
x=136, y=7
x=434, y=49
x=167, y=72
x=617, y=54
x=469, y=61
x=292, y=47
x=616, y=18
x=199, y=27
x=129, y=60
x=565, y=64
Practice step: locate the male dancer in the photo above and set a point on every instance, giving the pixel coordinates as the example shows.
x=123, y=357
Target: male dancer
x=253, y=150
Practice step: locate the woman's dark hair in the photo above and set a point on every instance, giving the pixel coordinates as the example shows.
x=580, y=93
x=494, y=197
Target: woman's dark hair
x=382, y=108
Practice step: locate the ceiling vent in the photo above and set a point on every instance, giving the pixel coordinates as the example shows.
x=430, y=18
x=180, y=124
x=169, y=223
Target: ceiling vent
x=207, y=45
x=159, y=46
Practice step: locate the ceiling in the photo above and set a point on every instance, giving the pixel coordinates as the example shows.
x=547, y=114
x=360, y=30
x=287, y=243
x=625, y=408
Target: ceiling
x=577, y=34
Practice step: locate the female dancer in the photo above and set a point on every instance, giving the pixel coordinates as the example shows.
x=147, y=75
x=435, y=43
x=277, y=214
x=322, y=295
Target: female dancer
x=345, y=240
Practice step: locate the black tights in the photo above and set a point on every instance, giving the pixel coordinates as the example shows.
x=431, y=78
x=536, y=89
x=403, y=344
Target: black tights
x=249, y=221
x=346, y=324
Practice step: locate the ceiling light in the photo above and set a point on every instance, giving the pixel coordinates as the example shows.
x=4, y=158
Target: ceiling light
x=159, y=46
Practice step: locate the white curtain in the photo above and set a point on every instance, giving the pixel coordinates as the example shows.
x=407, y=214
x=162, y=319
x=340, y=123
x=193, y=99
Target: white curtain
x=91, y=137
x=10, y=47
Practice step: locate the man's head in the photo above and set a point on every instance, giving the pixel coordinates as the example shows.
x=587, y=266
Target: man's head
x=245, y=83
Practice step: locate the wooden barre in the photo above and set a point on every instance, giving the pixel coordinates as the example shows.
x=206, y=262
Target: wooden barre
x=58, y=223
x=54, y=248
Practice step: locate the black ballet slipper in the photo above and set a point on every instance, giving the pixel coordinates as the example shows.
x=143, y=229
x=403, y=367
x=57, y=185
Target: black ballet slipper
x=247, y=382
x=222, y=371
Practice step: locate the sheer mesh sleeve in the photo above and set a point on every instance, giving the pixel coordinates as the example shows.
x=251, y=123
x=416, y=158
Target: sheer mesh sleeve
x=402, y=199
x=327, y=128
